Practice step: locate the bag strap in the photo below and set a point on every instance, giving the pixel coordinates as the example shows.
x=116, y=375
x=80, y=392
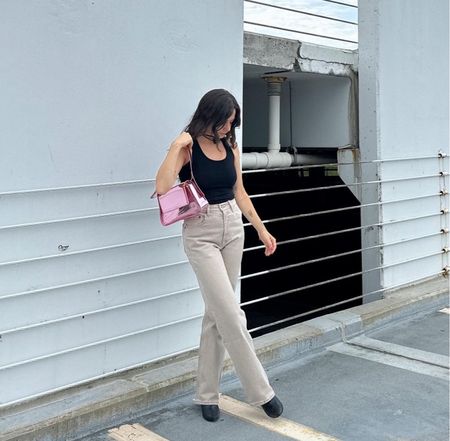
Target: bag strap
x=192, y=173
x=190, y=161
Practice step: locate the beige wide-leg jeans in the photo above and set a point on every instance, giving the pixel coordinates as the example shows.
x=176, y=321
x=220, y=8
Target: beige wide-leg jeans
x=213, y=242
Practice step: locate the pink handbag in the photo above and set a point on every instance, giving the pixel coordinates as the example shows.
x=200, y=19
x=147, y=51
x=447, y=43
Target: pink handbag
x=182, y=201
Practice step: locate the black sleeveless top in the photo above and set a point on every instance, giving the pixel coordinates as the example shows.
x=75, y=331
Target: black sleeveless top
x=215, y=178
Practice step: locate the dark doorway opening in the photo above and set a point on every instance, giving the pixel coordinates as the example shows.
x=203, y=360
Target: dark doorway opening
x=270, y=207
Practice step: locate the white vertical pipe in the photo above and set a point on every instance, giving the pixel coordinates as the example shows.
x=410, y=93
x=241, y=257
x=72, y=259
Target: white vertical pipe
x=274, y=123
x=274, y=92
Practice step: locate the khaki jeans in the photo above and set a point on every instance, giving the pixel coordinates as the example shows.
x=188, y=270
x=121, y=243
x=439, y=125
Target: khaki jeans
x=213, y=242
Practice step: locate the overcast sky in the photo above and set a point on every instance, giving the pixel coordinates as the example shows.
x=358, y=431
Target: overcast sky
x=292, y=20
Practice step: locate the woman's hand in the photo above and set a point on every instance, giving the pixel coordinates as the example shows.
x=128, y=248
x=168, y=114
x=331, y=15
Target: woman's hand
x=269, y=241
x=184, y=139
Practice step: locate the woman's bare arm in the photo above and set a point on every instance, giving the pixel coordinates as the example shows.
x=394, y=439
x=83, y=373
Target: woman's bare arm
x=174, y=160
x=246, y=206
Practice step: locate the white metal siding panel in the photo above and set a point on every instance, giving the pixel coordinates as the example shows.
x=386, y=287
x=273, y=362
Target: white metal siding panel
x=78, y=268
x=48, y=205
x=95, y=96
x=51, y=304
x=46, y=338
x=69, y=368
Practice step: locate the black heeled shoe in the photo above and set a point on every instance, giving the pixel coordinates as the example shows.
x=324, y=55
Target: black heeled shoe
x=273, y=408
x=210, y=412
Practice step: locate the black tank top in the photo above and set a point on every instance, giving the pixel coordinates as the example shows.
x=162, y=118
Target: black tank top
x=215, y=178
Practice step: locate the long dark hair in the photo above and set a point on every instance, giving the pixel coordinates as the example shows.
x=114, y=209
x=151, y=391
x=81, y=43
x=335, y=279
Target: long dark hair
x=213, y=110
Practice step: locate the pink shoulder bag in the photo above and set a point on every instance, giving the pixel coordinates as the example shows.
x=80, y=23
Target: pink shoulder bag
x=182, y=201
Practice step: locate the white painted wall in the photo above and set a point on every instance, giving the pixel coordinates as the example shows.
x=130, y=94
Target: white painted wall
x=404, y=113
x=93, y=91
x=317, y=105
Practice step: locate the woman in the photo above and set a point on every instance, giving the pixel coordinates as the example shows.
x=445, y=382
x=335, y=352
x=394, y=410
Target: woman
x=213, y=242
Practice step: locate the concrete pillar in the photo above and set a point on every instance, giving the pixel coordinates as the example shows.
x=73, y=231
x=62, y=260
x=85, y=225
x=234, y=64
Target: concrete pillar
x=403, y=113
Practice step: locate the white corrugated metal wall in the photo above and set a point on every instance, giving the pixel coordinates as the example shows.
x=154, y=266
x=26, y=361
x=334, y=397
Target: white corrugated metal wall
x=93, y=92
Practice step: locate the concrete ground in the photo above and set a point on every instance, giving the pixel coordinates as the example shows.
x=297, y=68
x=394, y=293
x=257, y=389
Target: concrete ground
x=388, y=384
